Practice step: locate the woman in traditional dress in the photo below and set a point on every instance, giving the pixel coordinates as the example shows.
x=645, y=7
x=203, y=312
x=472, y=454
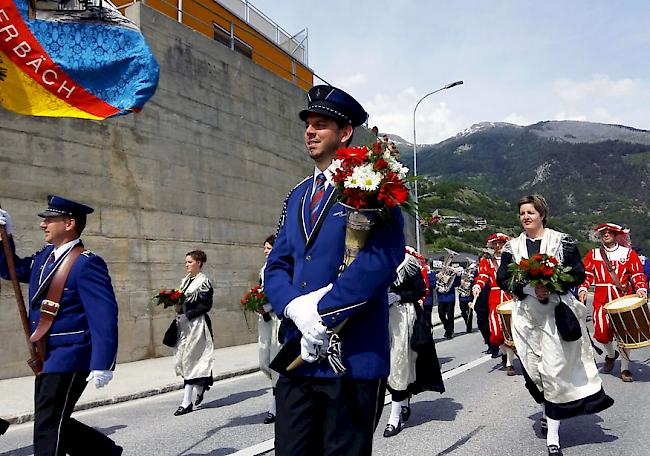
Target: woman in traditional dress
x=193, y=353
x=267, y=337
x=487, y=277
x=559, y=374
x=411, y=372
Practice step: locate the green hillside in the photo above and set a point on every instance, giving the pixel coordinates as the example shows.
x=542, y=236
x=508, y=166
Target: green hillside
x=586, y=183
x=470, y=205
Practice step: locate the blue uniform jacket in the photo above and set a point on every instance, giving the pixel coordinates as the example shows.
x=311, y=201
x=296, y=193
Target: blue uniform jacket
x=304, y=260
x=83, y=336
x=428, y=302
x=450, y=296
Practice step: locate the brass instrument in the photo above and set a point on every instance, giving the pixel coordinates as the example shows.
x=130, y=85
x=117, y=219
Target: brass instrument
x=445, y=278
x=467, y=280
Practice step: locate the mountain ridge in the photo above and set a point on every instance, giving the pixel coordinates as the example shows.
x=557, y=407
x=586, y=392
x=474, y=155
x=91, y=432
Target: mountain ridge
x=589, y=172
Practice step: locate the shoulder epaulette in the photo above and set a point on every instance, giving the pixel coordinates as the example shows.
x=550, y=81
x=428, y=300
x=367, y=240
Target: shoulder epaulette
x=283, y=216
x=88, y=253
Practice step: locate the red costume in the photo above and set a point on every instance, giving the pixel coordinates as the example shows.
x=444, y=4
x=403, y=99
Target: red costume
x=627, y=267
x=487, y=276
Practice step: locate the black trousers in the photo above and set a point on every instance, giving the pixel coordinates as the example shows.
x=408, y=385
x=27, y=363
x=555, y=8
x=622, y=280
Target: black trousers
x=483, y=324
x=468, y=316
x=446, y=314
x=3, y=426
x=317, y=416
x=55, y=433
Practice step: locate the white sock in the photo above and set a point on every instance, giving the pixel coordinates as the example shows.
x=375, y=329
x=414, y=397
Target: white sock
x=553, y=435
x=198, y=389
x=395, y=411
x=187, y=398
x=625, y=364
x=510, y=355
x=272, y=407
x=609, y=348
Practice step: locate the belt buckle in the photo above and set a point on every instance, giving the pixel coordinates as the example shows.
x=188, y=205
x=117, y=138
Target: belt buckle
x=50, y=307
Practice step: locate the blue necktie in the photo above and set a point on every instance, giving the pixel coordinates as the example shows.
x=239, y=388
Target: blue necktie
x=47, y=267
x=49, y=264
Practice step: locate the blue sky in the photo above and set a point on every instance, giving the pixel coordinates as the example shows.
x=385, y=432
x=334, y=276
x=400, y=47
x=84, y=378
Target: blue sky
x=522, y=61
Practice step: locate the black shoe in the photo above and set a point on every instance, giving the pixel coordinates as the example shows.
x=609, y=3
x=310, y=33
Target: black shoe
x=543, y=426
x=391, y=430
x=199, y=398
x=183, y=410
x=554, y=450
x=626, y=376
x=270, y=418
x=609, y=363
x=405, y=413
x=494, y=352
x=449, y=335
x=3, y=426
x=468, y=329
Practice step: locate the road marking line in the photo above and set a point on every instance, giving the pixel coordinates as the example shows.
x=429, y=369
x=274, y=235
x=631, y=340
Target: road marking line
x=268, y=445
x=255, y=450
x=455, y=371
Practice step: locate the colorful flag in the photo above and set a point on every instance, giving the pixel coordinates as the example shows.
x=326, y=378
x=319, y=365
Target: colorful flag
x=89, y=64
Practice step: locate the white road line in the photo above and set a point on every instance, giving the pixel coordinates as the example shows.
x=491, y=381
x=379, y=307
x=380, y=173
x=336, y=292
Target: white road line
x=255, y=450
x=267, y=445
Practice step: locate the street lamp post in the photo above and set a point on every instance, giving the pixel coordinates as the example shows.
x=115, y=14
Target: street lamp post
x=415, y=159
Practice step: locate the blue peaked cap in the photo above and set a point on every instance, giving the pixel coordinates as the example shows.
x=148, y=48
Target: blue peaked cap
x=334, y=103
x=57, y=206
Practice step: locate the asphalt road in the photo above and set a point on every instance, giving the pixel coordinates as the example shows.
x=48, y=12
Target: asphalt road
x=482, y=412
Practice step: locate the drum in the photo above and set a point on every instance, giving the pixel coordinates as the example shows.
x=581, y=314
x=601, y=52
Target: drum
x=629, y=318
x=504, y=310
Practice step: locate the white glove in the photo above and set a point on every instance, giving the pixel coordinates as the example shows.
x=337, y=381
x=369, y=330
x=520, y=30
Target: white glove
x=310, y=351
x=5, y=220
x=101, y=378
x=303, y=310
x=181, y=318
x=393, y=298
x=476, y=290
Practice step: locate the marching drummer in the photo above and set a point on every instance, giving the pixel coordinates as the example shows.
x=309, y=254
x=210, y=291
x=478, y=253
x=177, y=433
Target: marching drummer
x=611, y=268
x=487, y=276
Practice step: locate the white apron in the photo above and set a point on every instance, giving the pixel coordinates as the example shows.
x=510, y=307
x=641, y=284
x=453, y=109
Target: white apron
x=562, y=371
x=193, y=353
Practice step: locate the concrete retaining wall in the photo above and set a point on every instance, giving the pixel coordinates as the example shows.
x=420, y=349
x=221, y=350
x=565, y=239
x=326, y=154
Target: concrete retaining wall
x=206, y=165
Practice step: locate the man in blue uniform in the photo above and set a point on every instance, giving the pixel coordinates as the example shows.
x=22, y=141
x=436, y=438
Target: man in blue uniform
x=318, y=410
x=446, y=306
x=79, y=334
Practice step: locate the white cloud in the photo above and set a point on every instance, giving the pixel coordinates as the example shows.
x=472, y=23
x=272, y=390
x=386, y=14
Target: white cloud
x=599, y=86
x=352, y=80
x=562, y=115
x=393, y=113
x=517, y=119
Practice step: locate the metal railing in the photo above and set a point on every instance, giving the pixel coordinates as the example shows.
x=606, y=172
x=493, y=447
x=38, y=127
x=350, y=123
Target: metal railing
x=296, y=45
x=236, y=34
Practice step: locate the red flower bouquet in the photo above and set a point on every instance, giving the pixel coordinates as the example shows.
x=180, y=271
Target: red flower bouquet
x=254, y=300
x=541, y=269
x=369, y=178
x=169, y=298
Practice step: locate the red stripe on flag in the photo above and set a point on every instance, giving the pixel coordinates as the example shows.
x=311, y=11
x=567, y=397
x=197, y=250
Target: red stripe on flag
x=24, y=50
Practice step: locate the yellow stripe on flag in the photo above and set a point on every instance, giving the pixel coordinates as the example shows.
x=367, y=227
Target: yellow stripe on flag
x=21, y=94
